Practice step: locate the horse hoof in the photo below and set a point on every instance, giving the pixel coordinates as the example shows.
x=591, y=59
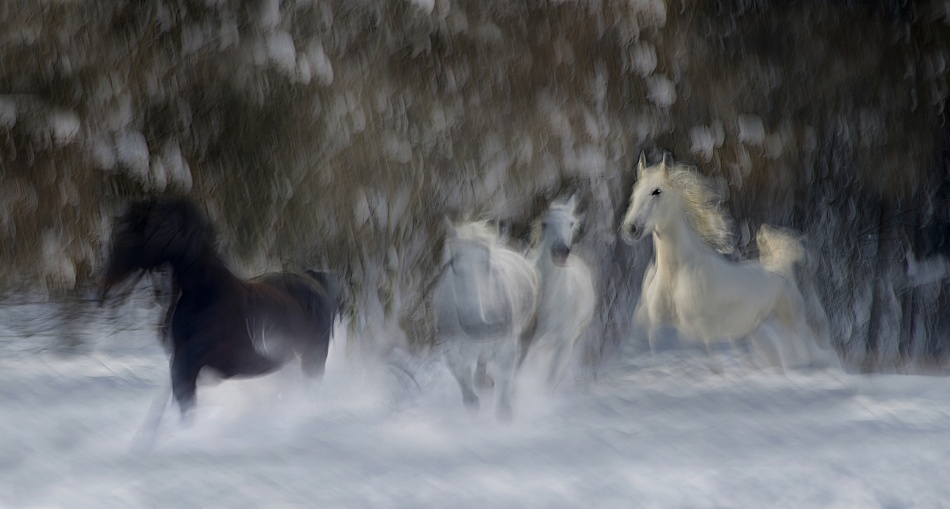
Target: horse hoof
x=472, y=405
x=504, y=415
x=485, y=384
x=188, y=416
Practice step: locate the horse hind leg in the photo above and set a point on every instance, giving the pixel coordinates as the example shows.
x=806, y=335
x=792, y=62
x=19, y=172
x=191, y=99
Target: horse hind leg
x=818, y=357
x=791, y=314
x=770, y=344
x=717, y=361
x=313, y=359
x=145, y=437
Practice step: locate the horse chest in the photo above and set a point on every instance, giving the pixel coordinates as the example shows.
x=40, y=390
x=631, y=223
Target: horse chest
x=565, y=299
x=478, y=309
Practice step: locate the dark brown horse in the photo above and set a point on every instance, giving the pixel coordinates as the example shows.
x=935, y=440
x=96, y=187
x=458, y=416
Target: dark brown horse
x=216, y=319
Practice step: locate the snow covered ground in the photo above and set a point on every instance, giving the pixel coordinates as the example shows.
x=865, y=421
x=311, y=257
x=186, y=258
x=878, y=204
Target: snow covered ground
x=668, y=434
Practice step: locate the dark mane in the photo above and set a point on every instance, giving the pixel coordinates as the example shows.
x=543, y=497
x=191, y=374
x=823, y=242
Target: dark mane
x=155, y=232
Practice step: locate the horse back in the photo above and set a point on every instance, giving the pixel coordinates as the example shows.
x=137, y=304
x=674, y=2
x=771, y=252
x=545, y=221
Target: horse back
x=295, y=301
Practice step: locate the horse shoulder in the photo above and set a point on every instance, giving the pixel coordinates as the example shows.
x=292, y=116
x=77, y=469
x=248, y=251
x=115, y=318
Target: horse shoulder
x=582, y=274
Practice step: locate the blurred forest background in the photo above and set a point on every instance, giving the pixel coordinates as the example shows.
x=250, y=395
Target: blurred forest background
x=339, y=133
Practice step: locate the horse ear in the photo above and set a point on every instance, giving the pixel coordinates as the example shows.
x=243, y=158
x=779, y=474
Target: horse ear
x=450, y=231
x=641, y=164
x=667, y=161
x=571, y=204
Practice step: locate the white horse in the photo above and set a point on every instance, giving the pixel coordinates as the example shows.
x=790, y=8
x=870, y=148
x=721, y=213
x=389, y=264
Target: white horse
x=692, y=288
x=485, y=298
x=567, y=301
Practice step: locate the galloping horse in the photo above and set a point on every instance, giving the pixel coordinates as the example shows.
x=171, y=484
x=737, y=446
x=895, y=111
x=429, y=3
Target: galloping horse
x=485, y=297
x=217, y=320
x=566, y=302
x=691, y=287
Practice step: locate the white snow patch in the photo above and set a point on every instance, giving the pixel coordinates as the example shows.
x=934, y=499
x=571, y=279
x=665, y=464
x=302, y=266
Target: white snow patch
x=588, y=160
x=661, y=91
x=65, y=126
x=132, y=152
x=103, y=154
x=118, y=113
x=489, y=32
x=193, y=39
x=268, y=17
x=751, y=129
x=228, y=34
x=396, y=149
x=304, y=72
x=281, y=51
x=7, y=112
x=661, y=432
x=705, y=139
x=426, y=6
x=924, y=272
x=176, y=167
x=319, y=63
x=652, y=11
x=643, y=58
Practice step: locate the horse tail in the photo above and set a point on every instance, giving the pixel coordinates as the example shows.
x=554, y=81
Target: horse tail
x=779, y=251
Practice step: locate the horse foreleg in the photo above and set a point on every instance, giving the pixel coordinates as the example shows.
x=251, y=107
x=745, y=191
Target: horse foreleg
x=558, y=364
x=184, y=371
x=504, y=362
x=145, y=437
x=462, y=372
x=482, y=380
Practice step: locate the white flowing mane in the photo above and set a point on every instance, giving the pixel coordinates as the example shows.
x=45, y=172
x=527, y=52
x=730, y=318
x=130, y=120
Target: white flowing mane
x=704, y=297
x=478, y=231
x=703, y=207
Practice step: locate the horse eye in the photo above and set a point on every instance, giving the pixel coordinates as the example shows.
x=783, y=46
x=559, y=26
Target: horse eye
x=656, y=192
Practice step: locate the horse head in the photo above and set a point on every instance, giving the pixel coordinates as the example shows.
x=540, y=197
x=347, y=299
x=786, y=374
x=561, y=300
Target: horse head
x=650, y=201
x=152, y=233
x=467, y=249
x=475, y=297
x=558, y=229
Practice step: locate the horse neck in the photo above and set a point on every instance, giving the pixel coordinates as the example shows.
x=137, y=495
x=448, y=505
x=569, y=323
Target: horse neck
x=201, y=273
x=676, y=244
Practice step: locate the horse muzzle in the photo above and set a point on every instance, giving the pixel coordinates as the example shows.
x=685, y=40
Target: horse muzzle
x=631, y=233
x=559, y=254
